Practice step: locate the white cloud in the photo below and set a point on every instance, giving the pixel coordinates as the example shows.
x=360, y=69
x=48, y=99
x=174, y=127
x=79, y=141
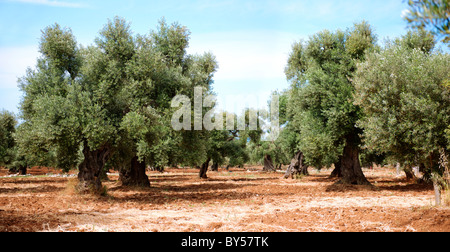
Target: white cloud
x=14, y=62
x=52, y=3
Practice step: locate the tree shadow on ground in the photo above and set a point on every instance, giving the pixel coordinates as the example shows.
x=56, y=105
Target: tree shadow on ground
x=411, y=187
x=378, y=183
x=322, y=178
x=241, y=179
x=40, y=189
x=13, y=221
x=34, y=180
x=171, y=179
x=350, y=188
x=383, y=185
x=197, y=190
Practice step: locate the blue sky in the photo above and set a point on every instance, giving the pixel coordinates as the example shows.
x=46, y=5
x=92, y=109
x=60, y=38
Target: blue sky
x=250, y=38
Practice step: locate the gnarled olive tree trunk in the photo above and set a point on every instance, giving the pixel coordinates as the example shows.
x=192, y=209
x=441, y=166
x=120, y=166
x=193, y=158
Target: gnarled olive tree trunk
x=89, y=174
x=350, y=165
x=134, y=174
x=268, y=163
x=22, y=170
x=204, y=169
x=410, y=175
x=336, y=173
x=297, y=167
x=215, y=167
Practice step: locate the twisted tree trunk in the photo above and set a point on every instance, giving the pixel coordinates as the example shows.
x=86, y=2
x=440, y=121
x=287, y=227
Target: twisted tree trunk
x=268, y=163
x=215, y=167
x=22, y=170
x=89, y=175
x=350, y=164
x=297, y=167
x=204, y=169
x=134, y=174
x=336, y=173
x=409, y=173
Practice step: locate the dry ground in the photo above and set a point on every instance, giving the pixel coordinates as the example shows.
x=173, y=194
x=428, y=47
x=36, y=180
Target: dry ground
x=241, y=200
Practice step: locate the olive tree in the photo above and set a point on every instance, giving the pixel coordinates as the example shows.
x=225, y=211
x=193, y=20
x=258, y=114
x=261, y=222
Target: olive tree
x=109, y=103
x=406, y=106
x=8, y=124
x=432, y=15
x=322, y=105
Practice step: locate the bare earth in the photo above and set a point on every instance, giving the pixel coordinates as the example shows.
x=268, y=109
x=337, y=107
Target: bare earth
x=237, y=201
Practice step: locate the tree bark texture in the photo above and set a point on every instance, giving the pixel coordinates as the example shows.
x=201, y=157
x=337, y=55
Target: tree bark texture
x=215, y=167
x=437, y=193
x=297, y=167
x=337, y=173
x=409, y=173
x=134, y=174
x=204, y=169
x=351, y=166
x=268, y=163
x=22, y=170
x=89, y=175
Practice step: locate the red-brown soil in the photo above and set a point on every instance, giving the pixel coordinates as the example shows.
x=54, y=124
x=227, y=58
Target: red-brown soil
x=241, y=200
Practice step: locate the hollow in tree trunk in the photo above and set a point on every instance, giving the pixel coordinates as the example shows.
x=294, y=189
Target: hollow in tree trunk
x=297, y=167
x=89, y=175
x=204, y=169
x=268, y=163
x=134, y=174
x=350, y=165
